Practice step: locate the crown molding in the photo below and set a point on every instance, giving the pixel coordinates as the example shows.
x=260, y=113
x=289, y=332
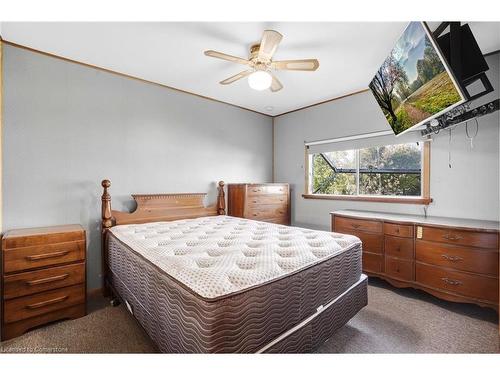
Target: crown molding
x=323, y=102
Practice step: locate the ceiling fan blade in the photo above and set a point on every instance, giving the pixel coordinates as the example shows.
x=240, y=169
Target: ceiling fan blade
x=269, y=44
x=224, y=56
x=236, y=77
x=306, y=64
x=275, y=84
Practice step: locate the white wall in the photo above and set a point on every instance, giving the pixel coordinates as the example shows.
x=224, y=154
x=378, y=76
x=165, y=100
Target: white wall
x=67, y=127
x=470, y=189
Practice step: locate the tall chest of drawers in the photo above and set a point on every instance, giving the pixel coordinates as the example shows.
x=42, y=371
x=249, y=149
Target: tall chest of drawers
x=453, y=259
x=262, y=202
x=43, y=277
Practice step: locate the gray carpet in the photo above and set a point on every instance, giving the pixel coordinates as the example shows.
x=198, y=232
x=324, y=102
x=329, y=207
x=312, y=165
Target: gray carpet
x=395, y=321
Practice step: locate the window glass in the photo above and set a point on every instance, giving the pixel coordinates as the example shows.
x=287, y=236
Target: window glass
x=394, y=170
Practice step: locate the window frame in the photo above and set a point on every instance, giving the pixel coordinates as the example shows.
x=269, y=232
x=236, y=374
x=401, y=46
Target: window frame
x=424, y=198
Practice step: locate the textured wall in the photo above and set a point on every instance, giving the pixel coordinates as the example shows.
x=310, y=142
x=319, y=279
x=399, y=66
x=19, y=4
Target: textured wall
x=470, y=189
x=66, y=127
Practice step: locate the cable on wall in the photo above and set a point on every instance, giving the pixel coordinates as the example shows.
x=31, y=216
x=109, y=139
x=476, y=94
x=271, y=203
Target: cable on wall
x=468, y=136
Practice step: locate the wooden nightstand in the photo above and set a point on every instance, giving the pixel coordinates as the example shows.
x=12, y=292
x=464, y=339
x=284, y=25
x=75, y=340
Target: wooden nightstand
x=43, y=277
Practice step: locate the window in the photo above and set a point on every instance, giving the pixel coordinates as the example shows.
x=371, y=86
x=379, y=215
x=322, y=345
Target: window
x=396, y=172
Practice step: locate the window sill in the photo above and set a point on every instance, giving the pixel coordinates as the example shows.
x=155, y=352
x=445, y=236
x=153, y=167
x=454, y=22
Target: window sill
x=407, y=200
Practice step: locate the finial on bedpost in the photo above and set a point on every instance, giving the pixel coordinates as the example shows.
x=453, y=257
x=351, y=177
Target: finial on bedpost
x=221, y=199
x=107, y=218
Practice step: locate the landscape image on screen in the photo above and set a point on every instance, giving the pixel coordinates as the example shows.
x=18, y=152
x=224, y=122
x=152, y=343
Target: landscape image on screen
x=413, y=85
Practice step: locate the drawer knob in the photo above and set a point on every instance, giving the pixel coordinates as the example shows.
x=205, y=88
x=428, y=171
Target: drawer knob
x=47, y=279
x=47, y=255
x=254, y=214
x=397, y=230
x=452, y=258
x=47, y=303
x=451, y=281
x=452, y=237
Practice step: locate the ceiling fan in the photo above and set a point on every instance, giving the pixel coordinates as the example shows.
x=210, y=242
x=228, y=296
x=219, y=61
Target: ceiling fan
x=261, y=64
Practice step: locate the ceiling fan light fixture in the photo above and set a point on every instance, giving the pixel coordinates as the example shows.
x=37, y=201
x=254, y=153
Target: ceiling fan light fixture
x=260, y=80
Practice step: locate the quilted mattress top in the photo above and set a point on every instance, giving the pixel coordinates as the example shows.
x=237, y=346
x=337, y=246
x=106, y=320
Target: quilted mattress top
x=219, y=255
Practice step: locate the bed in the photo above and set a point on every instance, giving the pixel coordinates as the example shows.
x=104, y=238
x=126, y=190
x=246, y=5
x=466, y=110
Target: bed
x=198, y=281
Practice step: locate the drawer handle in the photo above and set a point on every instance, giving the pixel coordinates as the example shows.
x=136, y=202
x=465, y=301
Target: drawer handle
x=355, y=225
x=48, y=255
x=452, y=258
x=256, y=190
x=397, y=230
x=451, y=281
x=255, y=215
x=47, y=303
x=47, y=280
x=452, y=237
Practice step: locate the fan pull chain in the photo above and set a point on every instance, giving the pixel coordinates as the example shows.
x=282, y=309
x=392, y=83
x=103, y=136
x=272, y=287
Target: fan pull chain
x=471, y=138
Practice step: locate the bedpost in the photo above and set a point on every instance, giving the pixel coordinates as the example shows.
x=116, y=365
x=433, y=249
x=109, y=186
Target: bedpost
x=221, y=199
x=107, y=222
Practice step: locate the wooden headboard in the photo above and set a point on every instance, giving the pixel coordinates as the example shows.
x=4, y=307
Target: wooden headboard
x=161, y=207
x=154, y=207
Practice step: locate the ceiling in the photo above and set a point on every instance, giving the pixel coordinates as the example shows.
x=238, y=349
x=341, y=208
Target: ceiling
x=171, y=54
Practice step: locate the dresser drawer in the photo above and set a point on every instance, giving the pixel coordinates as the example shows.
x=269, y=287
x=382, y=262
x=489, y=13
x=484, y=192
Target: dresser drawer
x=398, y=247
x=399, y=269
x=398, y=230
x=25, y=258
x=256, y=190
x=372, y=262
x=372, y=243
x=342, y=223
x=283, y=220
x=460, y=237
x=42, y=303
x=266, y=211
x=26, y=283
x=456, y=257
x=273, y=199
x=475, y=286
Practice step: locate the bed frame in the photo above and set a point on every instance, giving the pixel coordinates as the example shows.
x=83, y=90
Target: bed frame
x=151, y=208
x=304, y=337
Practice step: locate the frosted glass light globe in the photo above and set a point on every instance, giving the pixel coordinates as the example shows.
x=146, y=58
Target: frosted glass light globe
x=260, y=80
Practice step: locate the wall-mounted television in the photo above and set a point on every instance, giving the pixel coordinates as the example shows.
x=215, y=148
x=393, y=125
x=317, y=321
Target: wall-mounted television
x=414, y=83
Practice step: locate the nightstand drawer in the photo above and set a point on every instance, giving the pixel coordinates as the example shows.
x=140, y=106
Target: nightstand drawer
x=26, y=283
x=26, y=258
x=42, y=303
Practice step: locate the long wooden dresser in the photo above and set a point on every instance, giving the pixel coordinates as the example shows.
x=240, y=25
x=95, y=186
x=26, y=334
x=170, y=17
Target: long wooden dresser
x=262, y=202
x=453, y=259
x=43, y=277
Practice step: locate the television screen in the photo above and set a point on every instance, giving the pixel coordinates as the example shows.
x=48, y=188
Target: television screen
x=414, y=84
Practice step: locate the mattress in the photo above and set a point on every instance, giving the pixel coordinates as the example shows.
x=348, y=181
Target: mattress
x=223, y=284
